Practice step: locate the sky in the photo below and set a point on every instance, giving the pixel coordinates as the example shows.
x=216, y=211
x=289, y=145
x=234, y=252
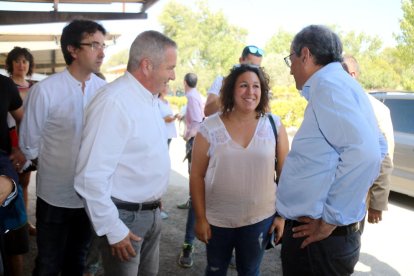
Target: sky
x=263, y=18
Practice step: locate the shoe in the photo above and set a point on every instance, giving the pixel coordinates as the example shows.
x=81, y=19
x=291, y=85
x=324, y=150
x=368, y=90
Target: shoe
x=185, y=205
x=32, y=229
x=233, y=262
x=164, y=215
x=186, y=256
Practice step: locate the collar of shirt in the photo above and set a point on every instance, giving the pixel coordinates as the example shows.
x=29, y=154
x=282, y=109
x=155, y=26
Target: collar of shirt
x=311, y=81
x=146, y=94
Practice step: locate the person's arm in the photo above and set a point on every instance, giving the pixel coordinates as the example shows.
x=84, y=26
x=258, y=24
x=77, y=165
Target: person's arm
x=212, y=104
x=190, y=115
x=36, y=110
x=351, y=131
x=8, y=190
x=282, y=148
x=169, y=118
x=106, y=132
x=379, y=192
x=199, y=166
x=16, y=156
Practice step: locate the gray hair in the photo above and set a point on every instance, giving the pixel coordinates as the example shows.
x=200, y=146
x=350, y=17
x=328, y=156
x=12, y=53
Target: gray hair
x=150, y=45
x=324, y=44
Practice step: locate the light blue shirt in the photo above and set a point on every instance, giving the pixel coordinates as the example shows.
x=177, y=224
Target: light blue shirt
x=335, y=154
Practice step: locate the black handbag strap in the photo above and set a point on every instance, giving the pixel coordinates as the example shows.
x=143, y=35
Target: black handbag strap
x=272, y=123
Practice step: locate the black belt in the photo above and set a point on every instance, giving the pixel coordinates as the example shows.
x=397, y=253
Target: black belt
x=146, y=206
x=338, y=231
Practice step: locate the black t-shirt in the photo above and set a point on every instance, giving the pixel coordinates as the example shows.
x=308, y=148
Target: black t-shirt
x=9, y=101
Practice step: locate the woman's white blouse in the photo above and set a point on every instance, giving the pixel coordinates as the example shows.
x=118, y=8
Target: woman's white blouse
x=239, y=182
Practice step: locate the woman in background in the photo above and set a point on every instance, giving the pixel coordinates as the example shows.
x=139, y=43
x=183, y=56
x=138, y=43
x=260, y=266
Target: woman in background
x=19, y=65
x=169, y=119
x=168, y=115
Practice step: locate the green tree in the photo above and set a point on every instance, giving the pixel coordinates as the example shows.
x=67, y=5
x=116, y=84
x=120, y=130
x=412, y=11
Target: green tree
x=406, y=39
x=116, y=59
x=208, y=45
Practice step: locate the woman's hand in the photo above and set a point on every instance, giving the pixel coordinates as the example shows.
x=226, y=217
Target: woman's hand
x=278, y=226
x=203, y=230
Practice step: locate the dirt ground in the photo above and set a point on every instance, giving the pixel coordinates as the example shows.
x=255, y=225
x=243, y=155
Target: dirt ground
x=173, y=227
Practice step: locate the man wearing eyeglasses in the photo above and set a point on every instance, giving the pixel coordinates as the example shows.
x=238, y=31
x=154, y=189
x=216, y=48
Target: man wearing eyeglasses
x=50, y=134
x=251, y=55
x=335, y=158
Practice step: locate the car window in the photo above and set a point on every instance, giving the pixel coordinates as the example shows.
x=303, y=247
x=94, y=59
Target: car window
x=402, y=114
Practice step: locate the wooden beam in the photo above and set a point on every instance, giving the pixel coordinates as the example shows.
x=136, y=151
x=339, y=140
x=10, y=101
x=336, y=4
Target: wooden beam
x=25, y=17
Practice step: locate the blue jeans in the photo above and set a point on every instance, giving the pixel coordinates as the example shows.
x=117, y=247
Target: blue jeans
x=189, y=227
x=249, y=243
x=144, y=224
x=335, y=255
x=63, y=237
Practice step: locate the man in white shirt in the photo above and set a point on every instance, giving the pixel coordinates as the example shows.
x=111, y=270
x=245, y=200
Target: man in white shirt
x=123, y=165
x=50, y=134
x=377, y=200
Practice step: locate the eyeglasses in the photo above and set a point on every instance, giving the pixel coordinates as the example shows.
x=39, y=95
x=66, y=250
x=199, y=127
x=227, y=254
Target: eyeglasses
x=255, y=50
x=95, y=45
x=288, y=61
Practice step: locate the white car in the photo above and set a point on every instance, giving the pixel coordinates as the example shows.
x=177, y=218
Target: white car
x=401, y=105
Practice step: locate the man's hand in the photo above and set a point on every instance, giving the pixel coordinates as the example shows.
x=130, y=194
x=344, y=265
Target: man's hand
x=312, y=230
x=124, y=249
x=374, y=216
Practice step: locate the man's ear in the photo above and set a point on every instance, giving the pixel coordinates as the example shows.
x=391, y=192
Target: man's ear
x=146, y=66
x=305, y=54
x=72, y=50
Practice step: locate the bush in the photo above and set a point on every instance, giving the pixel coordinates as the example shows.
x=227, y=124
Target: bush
x=176, y=102
x=290, y=110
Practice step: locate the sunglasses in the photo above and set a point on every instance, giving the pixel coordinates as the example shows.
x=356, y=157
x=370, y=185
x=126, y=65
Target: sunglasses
x=245, y=65
x=255, y=50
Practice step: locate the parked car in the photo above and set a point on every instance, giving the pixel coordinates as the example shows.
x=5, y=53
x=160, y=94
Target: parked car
x=401, y=105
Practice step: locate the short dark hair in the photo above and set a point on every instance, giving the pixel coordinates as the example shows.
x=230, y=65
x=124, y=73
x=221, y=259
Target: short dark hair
x=14, y=54
x=191, y=79
x=324, y=44
x=229, y=83
x=74, y=32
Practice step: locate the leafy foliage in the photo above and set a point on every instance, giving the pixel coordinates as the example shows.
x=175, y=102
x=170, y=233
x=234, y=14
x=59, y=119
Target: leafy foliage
x=209, y=46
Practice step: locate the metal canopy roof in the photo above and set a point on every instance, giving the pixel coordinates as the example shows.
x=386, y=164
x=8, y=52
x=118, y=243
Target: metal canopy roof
x=10, y=17
x=45, y=47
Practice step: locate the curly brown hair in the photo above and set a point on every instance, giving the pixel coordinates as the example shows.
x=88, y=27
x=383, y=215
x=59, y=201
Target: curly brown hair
x=228, y=87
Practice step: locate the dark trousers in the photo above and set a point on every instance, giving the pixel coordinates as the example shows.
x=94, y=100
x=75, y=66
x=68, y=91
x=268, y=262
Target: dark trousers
x=335, y=255
x=63, y=237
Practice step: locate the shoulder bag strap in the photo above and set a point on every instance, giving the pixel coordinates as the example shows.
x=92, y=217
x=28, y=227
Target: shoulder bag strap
x=272, y=123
